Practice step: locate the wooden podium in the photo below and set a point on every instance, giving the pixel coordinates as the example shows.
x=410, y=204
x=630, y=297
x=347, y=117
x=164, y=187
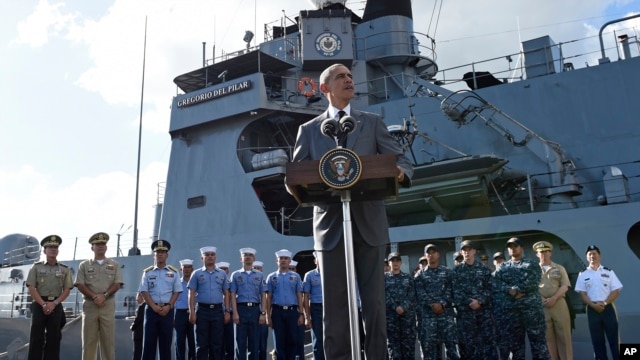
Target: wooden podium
x=378, y=181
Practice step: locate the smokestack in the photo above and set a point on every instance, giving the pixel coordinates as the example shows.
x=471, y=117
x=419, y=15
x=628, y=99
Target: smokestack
x=380, y=8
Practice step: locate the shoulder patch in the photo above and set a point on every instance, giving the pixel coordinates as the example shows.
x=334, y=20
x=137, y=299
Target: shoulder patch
x=148, y=268
x=606, y=268
x=63, y=265
x=173, y=268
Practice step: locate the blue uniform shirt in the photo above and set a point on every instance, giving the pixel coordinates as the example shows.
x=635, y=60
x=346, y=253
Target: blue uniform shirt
x=313, y=286
x=209, y=285
x=183, y=298
x=160, y=283
x=247, y=286
x=284, y=288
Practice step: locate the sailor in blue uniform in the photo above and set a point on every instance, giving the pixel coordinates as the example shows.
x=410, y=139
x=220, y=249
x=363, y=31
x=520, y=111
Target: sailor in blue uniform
x=246, y=297
x=263, y=328
x=283, y=303
x=209, y=288
x=160, y=287
x=312, y=296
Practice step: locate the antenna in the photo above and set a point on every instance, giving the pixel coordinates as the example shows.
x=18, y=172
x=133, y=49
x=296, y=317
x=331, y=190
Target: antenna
x=120, y=233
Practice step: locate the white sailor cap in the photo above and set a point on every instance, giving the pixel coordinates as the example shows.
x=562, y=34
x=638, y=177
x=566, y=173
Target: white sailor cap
x=293, y=263
x=258, y=263
x=251, y=251
x=223, y=264
x=207, y=249
x=283, y=253
x=184, y=262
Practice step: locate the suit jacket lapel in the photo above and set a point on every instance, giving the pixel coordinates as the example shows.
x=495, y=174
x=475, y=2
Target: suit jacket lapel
x=352, y=139
x=328, y=141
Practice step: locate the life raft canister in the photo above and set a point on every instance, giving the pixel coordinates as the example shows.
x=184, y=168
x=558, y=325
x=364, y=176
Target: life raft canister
x=303, y=86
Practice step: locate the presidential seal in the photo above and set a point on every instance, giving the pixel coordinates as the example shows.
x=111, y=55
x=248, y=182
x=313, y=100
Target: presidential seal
x=328, y=44
x=340, y=168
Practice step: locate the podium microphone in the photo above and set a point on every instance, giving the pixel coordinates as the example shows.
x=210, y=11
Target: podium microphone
x=347, y=124
x=329, y=127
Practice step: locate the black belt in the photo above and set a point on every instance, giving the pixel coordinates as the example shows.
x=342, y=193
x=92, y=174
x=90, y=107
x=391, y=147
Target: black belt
x=286, y=307
x=162, y=304
x=210, y=306
x=249, y=304
x=49, y=298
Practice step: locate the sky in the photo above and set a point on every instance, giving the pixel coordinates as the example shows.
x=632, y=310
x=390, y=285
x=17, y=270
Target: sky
x=71, y=91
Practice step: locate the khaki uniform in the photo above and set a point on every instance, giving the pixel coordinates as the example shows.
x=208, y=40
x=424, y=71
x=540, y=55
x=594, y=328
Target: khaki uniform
x=98, y=323
x=49, y=281
x=557, y=318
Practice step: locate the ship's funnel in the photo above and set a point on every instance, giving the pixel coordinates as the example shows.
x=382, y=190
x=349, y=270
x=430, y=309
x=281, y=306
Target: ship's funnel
x=380, y=8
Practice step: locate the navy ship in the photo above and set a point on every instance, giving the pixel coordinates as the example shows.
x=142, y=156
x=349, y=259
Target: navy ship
x=541, y=151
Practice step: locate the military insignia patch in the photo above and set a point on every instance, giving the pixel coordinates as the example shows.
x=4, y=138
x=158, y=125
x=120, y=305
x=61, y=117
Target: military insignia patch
x=340, y=168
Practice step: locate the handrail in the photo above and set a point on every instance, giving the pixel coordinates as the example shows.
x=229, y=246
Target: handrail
x=605, y=59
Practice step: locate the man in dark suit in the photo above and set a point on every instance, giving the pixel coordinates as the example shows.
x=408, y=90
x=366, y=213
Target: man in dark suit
x=369, y=221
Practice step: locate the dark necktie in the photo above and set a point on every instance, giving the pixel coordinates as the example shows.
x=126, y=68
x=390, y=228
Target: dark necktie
x=342, y=138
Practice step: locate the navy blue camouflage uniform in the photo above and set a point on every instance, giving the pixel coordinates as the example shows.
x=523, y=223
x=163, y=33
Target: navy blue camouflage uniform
x=500, y=319
x=475, y=327
x=435, y=286
x=401, y=329
x=525, y=315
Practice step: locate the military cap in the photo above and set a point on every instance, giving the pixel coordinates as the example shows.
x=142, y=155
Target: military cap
x=484, y=257
x=423, y=258
x=394, y=255
x=498, y=255
x=293, y=263
x=223, y=264
x=247, y=250
x=51, y=240
x=258, y=263
x=160, y=245
x=467, y=243
x=283, y=253
x=457, y=256
x=591, y=248
x=514, y=240
x=430, y=246
x=99, y=238
x=542, y=246
x=184, y=262
x=206, y=249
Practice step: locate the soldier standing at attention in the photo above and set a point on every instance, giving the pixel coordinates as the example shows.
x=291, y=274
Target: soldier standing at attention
x=285, y=311
x=472, y=295
x=553, y=287
x=49, y=285
x=185, y=336
x=246, y=297
x=519, y=277
x=499, y=299
x=209, y=288
x=598, y=287
x=160, y=287
x=434, y=293
x=312, y=300
x=400, y=298
x=98, y=280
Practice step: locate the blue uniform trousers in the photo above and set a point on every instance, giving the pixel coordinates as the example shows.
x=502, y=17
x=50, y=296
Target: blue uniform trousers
x=316, y=331
x=601, y=324
x=228, y=342
x=286, y=332
x=209, y=332
x=158, y=334
x=263, y=336
x=185, y=337
x=247, y=332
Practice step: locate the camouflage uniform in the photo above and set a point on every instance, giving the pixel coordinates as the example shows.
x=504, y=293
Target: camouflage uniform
x=434, y=285
x=475, y=327
x=401, y=329
x=524, y=314
x=499, y=300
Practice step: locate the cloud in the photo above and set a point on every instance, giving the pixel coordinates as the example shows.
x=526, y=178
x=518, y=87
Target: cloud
x=90, y=204
x=46, y=20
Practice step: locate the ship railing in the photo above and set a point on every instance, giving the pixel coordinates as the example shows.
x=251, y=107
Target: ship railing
x=569, y=54
x=403, y=43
